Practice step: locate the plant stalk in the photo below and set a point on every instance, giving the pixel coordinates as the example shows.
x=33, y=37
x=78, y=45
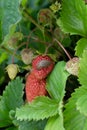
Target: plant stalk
x=63, y=49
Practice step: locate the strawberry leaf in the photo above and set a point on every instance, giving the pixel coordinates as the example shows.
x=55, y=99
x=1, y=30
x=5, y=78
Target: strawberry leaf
x=81, y=45
x=82, y=69
x=41, y=108
x=73, y=18
x=9, y=14
x=82, y=104
x=12, y=128
x=12, y=98
x=56, y=81
x=75, y=111
x=73, y=119
x=31, y=125
x=82, y=101
x=55, y=123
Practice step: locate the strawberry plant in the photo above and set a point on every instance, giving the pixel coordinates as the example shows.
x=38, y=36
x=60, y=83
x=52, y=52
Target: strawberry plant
x=43, y=60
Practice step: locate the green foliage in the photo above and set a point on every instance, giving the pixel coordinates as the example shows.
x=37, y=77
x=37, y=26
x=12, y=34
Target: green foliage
x=3, y=56
x=31, y=125
x=56, y=81
x=76, y=109
x=12, y=128
x=56, y=87
x=82, y=69
x=11, y=99
x=81, y=103
x=44, y=107
x=40, y=108
x=73, y=18
x=73, y=119
x=23, y=3
x=55, y=123
x=9, y=14
x=73, y=21
x=81, y=45
x=20, y=28
x=0, y=32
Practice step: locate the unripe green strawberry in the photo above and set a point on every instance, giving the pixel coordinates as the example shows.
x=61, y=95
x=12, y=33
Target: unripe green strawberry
x=14, y=39
x=27, y=56
x=12, y=70
x=42, y=66
x=34, y=87
x=45, y=16
x=72, y=66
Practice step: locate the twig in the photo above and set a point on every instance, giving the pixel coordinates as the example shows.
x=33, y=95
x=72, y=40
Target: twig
x=24, y=43
x=48, y=48
x=38, y=40
x=10, y=52
x=63, y=48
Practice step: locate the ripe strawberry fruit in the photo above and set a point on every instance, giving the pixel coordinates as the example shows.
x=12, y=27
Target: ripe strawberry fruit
x=42, y=66
x=34, y=87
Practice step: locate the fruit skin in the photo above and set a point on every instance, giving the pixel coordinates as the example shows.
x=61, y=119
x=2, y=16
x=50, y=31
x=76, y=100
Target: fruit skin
x=45, y=16
x=72, y=66
x=42, y=65
x=12, y=70
x=27, y=56
x=34, y=87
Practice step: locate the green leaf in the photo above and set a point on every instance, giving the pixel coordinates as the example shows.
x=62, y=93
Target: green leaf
x=56, y=81
x=0, y=31
x=12, y=98
x=40, y=108
x=82, y=101
x=10, y=14
x=83, y=69
x=9, y=35
x=55, y=123
x=81, y=45
x=3, y=57
x=12, y=128
x=75, y=111
x=82, y=104
x=73, y=18
x=32, y=125
x=23, y=3
x=73, y=119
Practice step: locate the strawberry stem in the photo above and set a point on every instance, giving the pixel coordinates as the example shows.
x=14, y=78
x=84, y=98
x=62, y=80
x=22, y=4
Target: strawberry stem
x=46, y=50
x=9, y=51
x=59, y=43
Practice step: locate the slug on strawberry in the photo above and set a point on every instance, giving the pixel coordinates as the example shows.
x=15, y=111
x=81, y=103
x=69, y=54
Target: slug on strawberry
x=42, y=65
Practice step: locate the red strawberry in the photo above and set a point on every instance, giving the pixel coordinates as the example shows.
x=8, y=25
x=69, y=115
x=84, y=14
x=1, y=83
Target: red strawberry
x=42, y=66
x=34, y=88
